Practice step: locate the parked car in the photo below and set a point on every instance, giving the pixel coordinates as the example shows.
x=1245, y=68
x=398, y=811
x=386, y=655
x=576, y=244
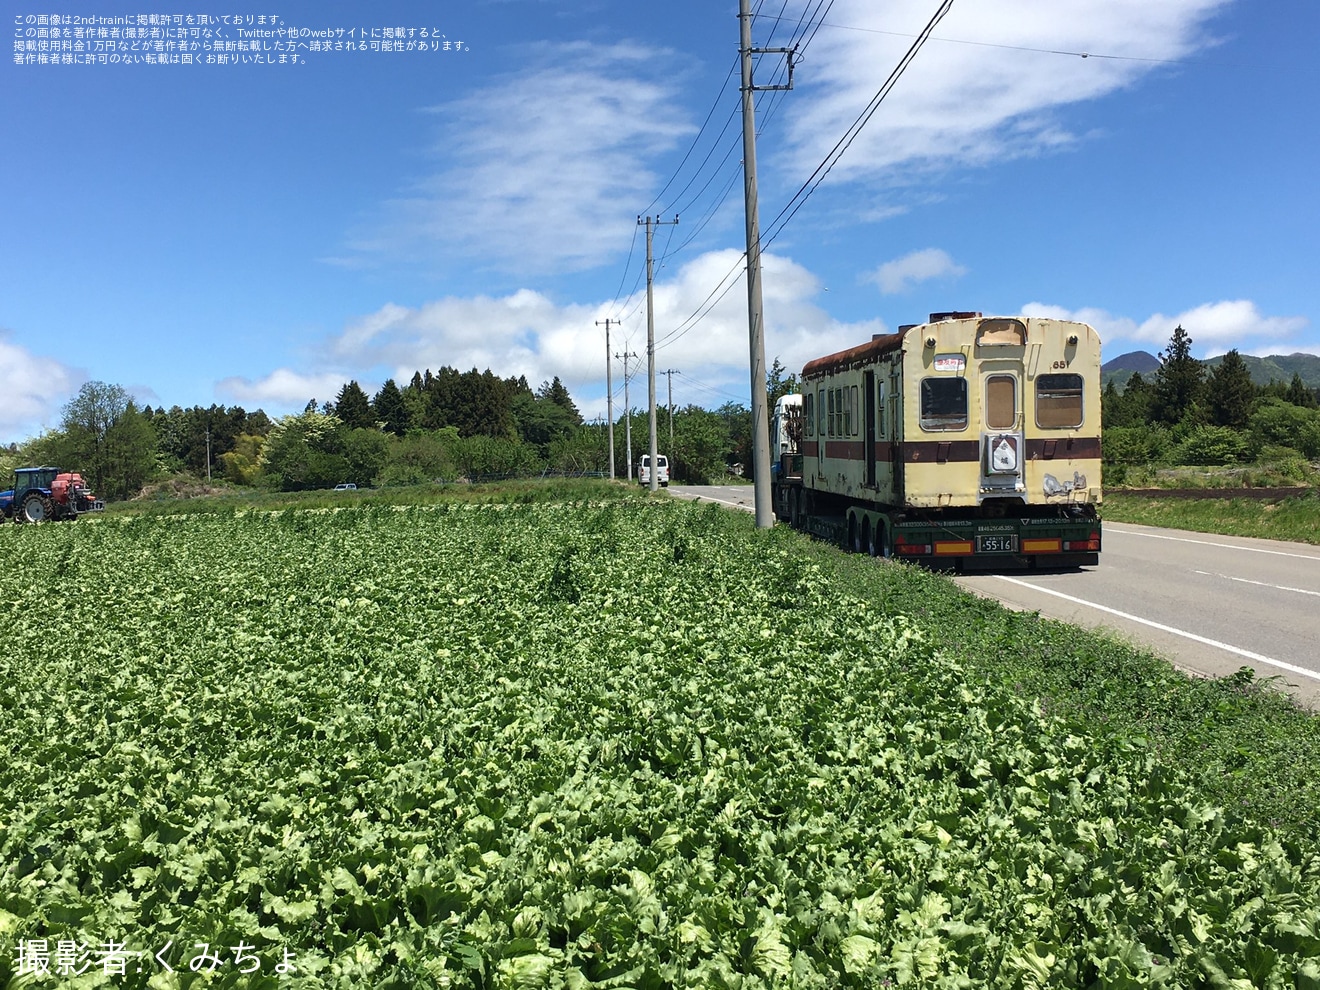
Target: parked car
x=350, y=487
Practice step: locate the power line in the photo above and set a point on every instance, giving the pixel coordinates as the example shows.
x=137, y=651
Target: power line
x=1013, y=48
x=842, y=145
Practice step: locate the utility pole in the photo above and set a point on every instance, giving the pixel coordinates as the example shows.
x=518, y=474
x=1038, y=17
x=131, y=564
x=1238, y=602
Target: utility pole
x=208, y=455
x=650, y=336
x=609, y=389
x=627, y=415
x=755, y=317
x=670, y=373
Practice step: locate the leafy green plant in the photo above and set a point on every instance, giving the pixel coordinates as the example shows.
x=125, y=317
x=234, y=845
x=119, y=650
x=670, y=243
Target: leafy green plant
x=478, y=744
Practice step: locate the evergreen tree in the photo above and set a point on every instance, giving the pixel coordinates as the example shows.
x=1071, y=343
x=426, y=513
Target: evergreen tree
x=1298, y=394
x=558, y=394
x=1180, y=381
x=354, y=408
x=1230, y=392
x=389, y=407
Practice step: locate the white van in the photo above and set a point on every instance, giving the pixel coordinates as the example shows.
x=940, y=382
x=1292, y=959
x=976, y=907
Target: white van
x=661, y=474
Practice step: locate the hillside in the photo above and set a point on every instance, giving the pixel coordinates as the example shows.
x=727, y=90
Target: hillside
x=1273, y=367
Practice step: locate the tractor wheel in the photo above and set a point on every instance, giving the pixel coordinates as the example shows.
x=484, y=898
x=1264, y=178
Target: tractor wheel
x=35, y=508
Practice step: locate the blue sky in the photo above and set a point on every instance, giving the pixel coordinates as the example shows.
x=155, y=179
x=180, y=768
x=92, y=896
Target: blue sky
x=259, y=234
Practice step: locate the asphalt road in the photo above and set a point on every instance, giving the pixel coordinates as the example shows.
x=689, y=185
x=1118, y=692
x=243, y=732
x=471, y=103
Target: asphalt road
x=1209, y=604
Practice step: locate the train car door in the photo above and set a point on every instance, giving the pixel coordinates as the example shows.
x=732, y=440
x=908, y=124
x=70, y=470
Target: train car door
x=1002, y=436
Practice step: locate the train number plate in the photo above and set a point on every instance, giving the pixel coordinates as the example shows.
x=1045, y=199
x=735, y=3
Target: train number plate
x=996, y=544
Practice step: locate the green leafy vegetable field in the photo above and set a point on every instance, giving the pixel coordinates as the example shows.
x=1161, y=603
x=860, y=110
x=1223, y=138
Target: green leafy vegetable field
x=622, y=744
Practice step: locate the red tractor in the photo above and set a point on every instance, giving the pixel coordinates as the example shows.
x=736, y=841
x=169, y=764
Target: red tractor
x=47, y=493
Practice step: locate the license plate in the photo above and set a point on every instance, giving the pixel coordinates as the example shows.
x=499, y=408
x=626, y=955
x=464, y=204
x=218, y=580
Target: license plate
x=996, y=544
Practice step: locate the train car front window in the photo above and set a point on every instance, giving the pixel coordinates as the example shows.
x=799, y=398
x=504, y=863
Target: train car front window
x=1059, y=402
x=809, y=413
x=943, y=404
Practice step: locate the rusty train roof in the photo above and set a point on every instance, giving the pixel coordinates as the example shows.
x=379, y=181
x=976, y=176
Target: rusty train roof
x=873, y=348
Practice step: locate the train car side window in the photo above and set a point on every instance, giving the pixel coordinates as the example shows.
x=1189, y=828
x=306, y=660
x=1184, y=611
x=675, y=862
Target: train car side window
x=820, y=412
x=853, y=417
x=833, y=416
x=809, y=413
x=1001, y=402
x=1059, y=402
x=943, y=404
x=880, y=409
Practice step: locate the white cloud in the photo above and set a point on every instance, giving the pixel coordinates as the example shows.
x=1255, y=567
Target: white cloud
x=528, y=333
x=975, y=103
x=1214, y=327
x=903, y=273
x=537, y=166
x=284, y=388
x=34, y=389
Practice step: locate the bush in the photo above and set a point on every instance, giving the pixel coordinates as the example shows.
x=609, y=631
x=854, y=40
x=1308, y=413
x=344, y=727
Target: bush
x=1133, y=445
x=1211, y=445
x=1279, y=423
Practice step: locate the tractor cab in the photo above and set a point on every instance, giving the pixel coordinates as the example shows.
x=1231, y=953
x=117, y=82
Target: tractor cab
x=26, y=479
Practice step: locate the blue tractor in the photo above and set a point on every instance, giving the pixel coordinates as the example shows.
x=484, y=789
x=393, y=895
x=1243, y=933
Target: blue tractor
x=42, y=494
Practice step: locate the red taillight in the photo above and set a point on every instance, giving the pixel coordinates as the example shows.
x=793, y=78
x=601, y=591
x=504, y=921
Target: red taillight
x=914, y=549
x=1090, y=546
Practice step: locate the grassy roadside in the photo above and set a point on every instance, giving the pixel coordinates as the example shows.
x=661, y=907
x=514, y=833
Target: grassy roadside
x=1295, y=519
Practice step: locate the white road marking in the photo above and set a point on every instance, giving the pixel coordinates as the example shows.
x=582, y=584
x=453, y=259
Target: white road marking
x=736, y=505
x=1291, y=668
x=1262, y=584
x=1211, y=543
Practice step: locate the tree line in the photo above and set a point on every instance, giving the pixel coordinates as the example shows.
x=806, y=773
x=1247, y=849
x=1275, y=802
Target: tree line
x=445, y=426
x=1190, y=414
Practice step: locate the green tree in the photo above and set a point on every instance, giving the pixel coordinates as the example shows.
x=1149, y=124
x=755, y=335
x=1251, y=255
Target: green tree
x=1230, y=392
x=556, y=392
x=354, y=408
x=305, y=450
x=701, y=445
x=242, y=464
x=107, y=439
x=1298, y=394
x=1180, y=381
x=388, y=407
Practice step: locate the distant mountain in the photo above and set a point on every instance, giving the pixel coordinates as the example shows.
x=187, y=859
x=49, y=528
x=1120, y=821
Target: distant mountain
x=1142, y=361
x=1275, y=367
x=1280, y=368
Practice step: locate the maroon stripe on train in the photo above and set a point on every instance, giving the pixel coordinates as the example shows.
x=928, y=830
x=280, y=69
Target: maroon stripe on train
x=1065, y=448
x=957, y=451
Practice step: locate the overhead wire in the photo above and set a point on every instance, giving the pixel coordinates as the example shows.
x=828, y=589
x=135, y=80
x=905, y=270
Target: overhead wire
x=818, y=175
x=814, y=180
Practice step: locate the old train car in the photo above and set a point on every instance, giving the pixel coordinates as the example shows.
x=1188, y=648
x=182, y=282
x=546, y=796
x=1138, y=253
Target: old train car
x=967, y=438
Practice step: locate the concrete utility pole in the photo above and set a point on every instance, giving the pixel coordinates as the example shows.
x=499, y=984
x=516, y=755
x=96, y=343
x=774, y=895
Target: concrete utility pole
x=670, y=373
x=208, y=455
x=650, y=336
x=627, y=415
x=755, y=322
x=609, y=389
